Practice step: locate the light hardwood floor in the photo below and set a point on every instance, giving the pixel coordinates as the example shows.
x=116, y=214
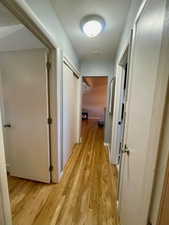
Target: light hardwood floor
x=85, y=196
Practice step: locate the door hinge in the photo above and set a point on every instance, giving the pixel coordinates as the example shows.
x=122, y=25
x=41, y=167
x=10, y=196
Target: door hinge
x=48, y=65
x=49, y=120
x=51, y=168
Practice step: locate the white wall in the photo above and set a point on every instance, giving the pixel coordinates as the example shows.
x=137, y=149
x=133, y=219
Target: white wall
x=48, y=18
x=17, y=37
x=9, y=29
x=3, y=181
x=98, y=67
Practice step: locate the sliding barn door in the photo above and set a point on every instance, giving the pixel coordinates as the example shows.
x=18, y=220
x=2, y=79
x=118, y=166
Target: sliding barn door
x=70, y=85
x=25, y=98
x=142, y=82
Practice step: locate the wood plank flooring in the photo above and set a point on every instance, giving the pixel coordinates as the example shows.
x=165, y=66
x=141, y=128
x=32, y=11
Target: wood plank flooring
x=86, y=194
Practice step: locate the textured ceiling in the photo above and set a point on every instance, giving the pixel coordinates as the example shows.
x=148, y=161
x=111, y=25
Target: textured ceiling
x=70, y=13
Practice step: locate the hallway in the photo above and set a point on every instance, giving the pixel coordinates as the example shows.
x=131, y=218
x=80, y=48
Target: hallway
x=86, y=194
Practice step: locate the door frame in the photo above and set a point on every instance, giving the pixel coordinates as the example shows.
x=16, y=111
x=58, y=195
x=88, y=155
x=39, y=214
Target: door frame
x=80, y=94
x=4, y=194
x=46, y=59
x=120, y=73
x=26, y=17
x=158, y=110
x=116, y=135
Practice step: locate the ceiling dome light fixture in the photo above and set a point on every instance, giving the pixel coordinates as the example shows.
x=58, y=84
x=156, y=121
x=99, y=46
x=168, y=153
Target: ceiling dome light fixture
x=92, y=25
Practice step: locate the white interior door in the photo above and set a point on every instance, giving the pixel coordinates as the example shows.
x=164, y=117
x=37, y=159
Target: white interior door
x=70, y=118
x=25, y=97
x=142, y=80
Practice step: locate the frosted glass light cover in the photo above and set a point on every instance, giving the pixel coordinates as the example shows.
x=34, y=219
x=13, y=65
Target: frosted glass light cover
x=92, y=28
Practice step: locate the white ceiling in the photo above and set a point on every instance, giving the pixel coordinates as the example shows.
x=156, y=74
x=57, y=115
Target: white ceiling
x=70, y=13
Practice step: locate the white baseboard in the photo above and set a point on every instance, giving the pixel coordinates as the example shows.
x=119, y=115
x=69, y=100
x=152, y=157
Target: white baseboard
x=80, y=141
x=106, y=144
x=117, y=204
x=60, y=175
x=118, y=167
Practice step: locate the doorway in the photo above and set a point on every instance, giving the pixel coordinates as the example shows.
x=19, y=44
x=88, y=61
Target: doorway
x=121, y=92
x=25, y=113
x=25, y=73
x=121, y=123
x=94, y=101
x=24, y=100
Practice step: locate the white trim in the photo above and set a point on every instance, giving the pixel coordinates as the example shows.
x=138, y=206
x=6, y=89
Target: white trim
x=109, y=150
x=140, y=11
x=71, y=66
x=81, y=140
x=106, y=144
x=32, y=16
x=61, y=175
x=116, y=129
x=4, y=193
x=44, y=32
x=79, y=110
x=117, y=204
x=59, y=112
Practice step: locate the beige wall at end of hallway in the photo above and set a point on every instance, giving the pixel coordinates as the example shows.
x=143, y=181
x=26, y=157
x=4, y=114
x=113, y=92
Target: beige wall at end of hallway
x=95, y=97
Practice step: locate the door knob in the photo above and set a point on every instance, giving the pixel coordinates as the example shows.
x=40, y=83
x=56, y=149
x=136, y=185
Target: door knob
x=119, y=123
x=7, y=125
